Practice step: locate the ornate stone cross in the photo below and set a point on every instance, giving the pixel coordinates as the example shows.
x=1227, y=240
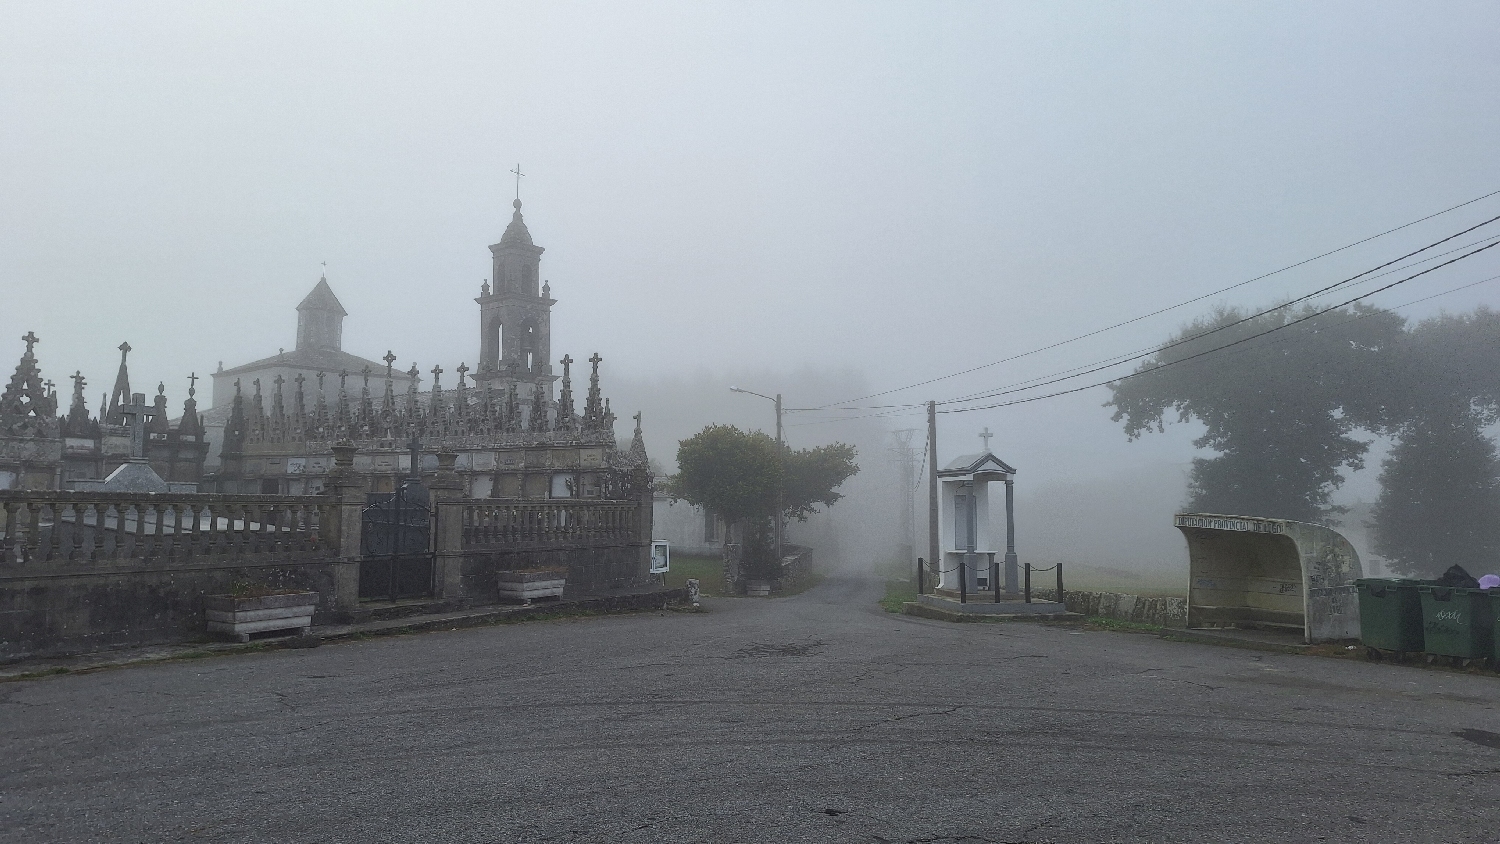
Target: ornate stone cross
x=462, y=368
x=30, y=340
x=390, y=360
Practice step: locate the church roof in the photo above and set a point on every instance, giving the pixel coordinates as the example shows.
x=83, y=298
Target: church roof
x=516, y=233
x=982, y=461
x=331, y=361
x=322, y=299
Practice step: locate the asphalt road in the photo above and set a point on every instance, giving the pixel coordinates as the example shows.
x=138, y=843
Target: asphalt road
x=813, y=718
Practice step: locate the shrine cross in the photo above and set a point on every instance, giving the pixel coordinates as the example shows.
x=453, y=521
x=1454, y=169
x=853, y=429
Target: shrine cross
x=985, y=435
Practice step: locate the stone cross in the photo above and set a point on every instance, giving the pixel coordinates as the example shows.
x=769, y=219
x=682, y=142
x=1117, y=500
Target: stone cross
x=135, y=415
x=416, y=456
x=390, y=360
x=596, y=360
x=192, y=384
x=78, y=381
x=436, y=372
x=462, y=368
x=30, y=340
x=985, y=435
x=567, y=361
x=367, y=377
x=519, y=174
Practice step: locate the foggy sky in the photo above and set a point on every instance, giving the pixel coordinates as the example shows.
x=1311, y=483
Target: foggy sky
x=895, y=190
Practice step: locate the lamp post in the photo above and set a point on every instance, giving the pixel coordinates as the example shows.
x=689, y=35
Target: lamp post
x=779, y=457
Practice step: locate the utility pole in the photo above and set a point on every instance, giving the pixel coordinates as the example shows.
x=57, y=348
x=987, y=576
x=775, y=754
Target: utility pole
x=934, y=558
x=781, y=457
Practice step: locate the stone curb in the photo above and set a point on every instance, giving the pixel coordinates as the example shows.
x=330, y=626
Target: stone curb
x=925, y=611
x=1199, y=638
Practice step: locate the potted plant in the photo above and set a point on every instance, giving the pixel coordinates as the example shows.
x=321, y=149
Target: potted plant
x=251, y=608
x=527, y=585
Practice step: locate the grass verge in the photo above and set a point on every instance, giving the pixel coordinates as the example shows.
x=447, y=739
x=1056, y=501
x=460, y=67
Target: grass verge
x=708, y=570
x=898, y=592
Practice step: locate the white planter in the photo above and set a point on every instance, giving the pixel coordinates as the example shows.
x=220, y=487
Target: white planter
x=528, y=586
x=239, y=617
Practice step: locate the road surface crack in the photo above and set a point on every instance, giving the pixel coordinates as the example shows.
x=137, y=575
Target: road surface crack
x=893, y=719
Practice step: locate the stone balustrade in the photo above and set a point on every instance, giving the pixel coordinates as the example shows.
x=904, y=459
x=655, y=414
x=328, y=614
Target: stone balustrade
x=95, y=527
x=491, y=523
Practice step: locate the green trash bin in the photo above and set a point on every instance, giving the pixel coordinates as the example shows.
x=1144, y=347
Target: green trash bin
x=1458, y=622
x=1390, y=614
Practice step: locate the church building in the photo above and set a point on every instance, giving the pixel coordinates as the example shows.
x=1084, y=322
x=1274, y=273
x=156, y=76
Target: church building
x=511, y=419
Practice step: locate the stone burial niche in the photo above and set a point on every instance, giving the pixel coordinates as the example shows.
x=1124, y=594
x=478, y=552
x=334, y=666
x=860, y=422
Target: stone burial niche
x=1270, y=573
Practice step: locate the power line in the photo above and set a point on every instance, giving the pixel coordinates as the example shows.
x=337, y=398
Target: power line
x=1106, y=363
x=1147, y=352
x=918, y=408
x=1226, y=345
x=1162, y=310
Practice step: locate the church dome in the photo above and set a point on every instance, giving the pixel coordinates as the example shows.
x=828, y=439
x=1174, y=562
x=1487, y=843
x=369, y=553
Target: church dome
x=516, y=232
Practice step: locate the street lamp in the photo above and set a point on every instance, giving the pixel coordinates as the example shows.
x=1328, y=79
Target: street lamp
x=779, y=456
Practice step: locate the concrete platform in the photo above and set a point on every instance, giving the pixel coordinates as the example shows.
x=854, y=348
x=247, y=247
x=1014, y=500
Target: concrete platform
x=944, y=609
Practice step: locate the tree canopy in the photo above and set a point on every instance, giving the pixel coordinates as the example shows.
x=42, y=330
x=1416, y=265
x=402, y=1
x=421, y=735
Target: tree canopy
x=1439, y=502
x=1279, y=410
x=738, y=474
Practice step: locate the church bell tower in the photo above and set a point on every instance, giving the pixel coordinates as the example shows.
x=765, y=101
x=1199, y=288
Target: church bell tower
x=515, y=316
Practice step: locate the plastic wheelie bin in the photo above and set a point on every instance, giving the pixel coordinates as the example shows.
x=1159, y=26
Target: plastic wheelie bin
x=1458, y=622
x=1390, y=614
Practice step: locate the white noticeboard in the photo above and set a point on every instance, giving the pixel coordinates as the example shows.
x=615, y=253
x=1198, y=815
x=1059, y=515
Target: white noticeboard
x=661, y=556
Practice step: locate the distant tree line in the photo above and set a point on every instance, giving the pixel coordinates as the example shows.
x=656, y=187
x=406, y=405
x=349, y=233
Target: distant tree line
x=1282, y=412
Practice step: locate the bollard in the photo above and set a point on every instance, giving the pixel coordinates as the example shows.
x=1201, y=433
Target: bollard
x=995, y=577
x=963, y=582
x=1028, y=583
x=920, y=566
x=1060, y=598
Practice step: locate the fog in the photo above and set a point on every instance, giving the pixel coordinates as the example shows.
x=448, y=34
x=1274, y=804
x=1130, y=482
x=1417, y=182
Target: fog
x=824, y=200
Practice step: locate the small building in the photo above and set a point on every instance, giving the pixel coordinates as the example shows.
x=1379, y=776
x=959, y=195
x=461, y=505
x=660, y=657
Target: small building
x=970, y=544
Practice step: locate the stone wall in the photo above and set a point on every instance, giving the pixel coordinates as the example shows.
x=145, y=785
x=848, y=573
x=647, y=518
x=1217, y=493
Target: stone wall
x=83, y=571
x=1164, y=612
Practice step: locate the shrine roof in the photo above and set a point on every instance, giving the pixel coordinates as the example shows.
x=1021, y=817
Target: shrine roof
x=970, y=463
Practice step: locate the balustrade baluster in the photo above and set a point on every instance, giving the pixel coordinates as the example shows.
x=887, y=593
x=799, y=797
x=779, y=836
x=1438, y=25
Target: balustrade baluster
x=8, y=534
x=33, y=531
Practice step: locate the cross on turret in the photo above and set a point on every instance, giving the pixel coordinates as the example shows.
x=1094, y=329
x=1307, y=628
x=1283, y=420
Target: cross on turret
x=390, y=360
x=462, y=368
x=192, y=384
x=30, y=340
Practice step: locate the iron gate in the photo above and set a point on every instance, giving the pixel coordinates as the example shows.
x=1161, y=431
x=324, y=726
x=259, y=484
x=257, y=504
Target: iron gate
x=395, y=544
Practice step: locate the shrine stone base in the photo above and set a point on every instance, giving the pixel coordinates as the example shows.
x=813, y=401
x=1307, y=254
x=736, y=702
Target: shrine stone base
x=948, y=609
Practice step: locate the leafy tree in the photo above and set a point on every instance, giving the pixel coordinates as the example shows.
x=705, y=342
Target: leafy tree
x=739, y=474
x=1280, y=410
x=1439, y=502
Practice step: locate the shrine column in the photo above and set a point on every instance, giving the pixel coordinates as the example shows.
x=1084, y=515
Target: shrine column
x=1011, y=566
